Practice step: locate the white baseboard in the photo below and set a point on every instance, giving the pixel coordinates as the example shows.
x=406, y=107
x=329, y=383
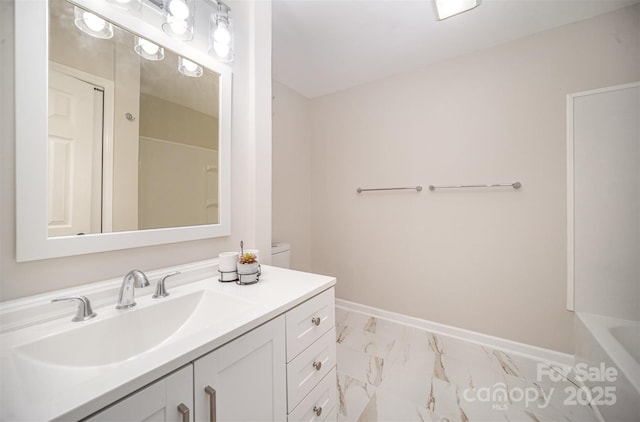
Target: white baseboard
x=508, y=346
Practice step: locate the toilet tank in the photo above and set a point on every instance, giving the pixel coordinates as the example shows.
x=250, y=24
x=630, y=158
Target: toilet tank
x=281, y=255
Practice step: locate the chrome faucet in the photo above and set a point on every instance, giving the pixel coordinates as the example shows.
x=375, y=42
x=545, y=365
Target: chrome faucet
x=134, y=278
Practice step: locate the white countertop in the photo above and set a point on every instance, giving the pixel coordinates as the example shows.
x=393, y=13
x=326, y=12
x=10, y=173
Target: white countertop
x=35, y=391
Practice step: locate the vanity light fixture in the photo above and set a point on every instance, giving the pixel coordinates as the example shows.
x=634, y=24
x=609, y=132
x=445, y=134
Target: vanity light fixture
x=148, y=50
x=221, y=33
x=129, y=5
x=189, y=68
x=92, y=24
x=178, y=18
x=446, y=8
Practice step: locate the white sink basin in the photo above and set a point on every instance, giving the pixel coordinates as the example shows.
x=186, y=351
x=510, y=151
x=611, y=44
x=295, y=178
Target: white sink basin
x=128, y=334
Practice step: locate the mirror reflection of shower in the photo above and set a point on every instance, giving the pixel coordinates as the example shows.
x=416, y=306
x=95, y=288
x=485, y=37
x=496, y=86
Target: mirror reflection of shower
x=133, y=138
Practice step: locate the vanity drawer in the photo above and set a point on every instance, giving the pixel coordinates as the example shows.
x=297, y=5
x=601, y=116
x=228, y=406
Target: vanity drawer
x=321, y=400
x=305, y=371
x=308, y=321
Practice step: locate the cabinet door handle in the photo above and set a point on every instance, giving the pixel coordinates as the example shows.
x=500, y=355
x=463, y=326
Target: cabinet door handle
x=184, y=411
x=315, y=321
x=317, y=410
x=211, y=392
x=317, y=365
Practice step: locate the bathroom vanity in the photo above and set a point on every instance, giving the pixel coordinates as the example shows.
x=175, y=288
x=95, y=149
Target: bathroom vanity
x=209, y=351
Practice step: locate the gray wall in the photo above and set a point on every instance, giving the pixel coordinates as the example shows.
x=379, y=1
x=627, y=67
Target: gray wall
x=492, y=261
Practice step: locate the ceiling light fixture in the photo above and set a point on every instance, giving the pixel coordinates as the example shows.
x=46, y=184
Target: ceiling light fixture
x=178, y=18
x=221, y=33
x=148, y=50
x=446, y=8
x=189, y=68
x=92, y=24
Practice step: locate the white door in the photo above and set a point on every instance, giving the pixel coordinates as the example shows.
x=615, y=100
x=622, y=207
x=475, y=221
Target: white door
x=244, y=380
x=75, y=155
x=167, y=400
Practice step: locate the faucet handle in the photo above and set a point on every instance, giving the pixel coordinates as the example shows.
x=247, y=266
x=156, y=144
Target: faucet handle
x=84, y=311
x=161, y=291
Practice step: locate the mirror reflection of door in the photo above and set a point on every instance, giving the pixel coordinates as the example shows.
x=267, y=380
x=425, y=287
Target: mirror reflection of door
x=75, y=156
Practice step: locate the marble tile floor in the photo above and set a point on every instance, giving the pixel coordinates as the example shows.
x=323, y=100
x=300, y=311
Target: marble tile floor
x=390, y=372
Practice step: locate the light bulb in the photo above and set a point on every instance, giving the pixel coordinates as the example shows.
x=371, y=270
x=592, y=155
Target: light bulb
x=189, y=65
x=179, y=9
x=221, y=34
x=149, y=47
x=189, y=68
x=178, y=19
x=93, y=22
x=222, y=50
x=178, y=26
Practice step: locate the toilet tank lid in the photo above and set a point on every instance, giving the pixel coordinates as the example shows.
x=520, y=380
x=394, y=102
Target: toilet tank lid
x=279, y=248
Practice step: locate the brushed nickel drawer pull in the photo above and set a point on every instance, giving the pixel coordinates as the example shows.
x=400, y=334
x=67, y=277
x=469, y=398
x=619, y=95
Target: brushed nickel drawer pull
x=184, y=411
x=211, y=392
x=317, y=365
x=315, y=321
x=317, y=410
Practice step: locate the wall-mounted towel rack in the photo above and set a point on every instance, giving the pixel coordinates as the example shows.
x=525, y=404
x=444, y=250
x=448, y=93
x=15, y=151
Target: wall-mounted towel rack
x=515, y=185
x=416, y=188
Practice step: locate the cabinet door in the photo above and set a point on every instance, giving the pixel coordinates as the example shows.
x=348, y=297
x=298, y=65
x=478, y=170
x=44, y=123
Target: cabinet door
x=165, y=400
x=244, y=380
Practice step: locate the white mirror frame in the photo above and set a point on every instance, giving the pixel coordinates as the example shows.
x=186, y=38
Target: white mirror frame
x=31, y=103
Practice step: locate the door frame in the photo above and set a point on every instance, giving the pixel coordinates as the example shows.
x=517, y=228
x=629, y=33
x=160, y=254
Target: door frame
x=570, y=183
x=108, y=88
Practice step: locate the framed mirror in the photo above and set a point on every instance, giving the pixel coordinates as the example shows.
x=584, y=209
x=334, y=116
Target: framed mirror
x=122, y=139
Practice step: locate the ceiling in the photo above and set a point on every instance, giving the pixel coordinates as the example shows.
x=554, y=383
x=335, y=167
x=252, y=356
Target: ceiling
x=162, y=80
x=324, y=46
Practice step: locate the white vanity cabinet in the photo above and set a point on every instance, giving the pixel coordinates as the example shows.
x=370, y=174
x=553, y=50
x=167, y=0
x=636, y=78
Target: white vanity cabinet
x=311, y=359
x=169, y=399
x=266, y=351
x=242, y=380
x=245, y=379
x=285, y=369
